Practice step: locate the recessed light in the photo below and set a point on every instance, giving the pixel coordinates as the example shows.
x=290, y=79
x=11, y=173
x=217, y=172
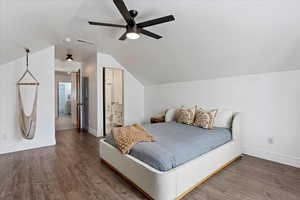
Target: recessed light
x=68, y=40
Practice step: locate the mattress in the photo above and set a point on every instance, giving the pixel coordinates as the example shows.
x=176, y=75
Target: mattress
x=176, y=144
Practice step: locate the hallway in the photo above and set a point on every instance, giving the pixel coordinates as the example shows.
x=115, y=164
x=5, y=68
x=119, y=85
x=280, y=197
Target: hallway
x=64, y=123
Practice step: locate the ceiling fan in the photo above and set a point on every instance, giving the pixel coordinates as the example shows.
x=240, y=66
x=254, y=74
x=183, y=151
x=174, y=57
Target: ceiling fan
x=69, y=57
x=133, y=29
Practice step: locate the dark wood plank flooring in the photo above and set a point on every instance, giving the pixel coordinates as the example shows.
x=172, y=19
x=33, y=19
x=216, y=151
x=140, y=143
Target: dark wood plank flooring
x=72, y=170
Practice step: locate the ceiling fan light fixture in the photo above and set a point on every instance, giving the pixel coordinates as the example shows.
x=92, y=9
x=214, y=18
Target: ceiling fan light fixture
x=69, y=57
x=132, y=35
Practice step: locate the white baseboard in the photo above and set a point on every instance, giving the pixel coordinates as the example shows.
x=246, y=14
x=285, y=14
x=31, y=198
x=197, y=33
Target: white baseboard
x=272, y=156
x=93, y=132
x=11, y=148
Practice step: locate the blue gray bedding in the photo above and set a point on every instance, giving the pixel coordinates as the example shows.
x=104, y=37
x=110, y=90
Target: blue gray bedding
x=176, y=144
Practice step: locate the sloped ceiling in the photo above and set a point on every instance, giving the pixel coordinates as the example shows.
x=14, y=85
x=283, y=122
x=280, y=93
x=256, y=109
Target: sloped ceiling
x=34, y=24
x=209, y=39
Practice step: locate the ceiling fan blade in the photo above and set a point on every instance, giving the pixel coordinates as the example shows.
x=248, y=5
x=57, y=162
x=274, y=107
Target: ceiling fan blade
x=123, y=10
x=156, y=21
x=123, y=37
x=150, y=34
x=106, y=24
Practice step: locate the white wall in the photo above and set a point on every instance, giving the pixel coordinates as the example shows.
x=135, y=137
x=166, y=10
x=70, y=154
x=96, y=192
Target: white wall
x=42, y=66
x=270, y=104
x=133, y=93
x=90, y=71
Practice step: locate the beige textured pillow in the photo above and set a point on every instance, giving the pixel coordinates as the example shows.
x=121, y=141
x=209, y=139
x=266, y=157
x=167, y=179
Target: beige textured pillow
x=126, y=137
x=223, y=118
x=186, y=115
x=177, y=113
x=205, y=119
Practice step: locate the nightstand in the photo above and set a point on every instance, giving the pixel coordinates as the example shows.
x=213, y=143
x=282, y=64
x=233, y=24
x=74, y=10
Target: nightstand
x=157, y=119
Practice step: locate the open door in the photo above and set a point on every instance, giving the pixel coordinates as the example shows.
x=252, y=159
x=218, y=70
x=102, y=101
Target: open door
x=85, y=104
x=78, y=101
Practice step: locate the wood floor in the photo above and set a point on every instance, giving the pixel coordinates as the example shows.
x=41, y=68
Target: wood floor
x=72, y=171
x=64, y=123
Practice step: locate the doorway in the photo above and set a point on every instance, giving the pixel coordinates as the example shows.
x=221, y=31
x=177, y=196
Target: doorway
x=113, y=99
x=66, y=102
x=64, y=99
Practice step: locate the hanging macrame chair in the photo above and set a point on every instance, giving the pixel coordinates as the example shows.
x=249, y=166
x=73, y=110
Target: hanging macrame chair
x=27, y=122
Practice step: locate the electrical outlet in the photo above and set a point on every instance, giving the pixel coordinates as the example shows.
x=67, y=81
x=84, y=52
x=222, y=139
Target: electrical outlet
x=270, y=140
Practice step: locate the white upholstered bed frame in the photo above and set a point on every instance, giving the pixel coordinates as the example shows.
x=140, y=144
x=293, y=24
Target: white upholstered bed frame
x=177, y=182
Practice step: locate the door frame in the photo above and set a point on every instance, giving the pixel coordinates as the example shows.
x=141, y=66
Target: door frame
x=78, y=103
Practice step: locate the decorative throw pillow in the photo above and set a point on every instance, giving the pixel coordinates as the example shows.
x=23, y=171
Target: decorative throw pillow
x=177, y=113
x=170, y=114
x=205, y=119
x=223, y=119
x=186, y=115
x=126, y=137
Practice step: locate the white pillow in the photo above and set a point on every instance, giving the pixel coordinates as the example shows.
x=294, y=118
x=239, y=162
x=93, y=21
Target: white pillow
x=223, y=119
x=170, y=114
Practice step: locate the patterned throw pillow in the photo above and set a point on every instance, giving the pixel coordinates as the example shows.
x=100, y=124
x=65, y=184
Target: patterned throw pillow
x=126, y=137
x=205, y=119
x=186, y=115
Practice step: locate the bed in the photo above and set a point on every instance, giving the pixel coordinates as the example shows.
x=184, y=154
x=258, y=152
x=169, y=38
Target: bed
x=182, y=157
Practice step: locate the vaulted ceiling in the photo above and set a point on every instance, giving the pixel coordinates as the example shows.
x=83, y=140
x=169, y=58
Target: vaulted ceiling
x=209, y=39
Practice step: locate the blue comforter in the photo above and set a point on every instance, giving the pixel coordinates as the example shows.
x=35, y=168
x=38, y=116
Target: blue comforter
x=176, y=144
